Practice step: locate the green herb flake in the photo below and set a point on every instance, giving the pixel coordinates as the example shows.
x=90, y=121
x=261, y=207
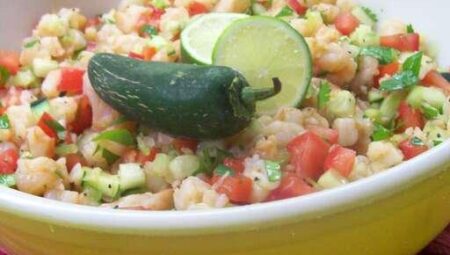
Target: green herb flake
x=410, y=29
x=429, y=111
x=4, y=75
x=121, y=136
x=413, y=63
x=109, y=156
x=285, y=12
x=324, y=94
x=4, y=122
x=384, y=54
x=371, y=14
x=417, y=141
x=222, y=170
x=400, y=81
x=273, y=170
x=8, y=180
x=381, y=133
x=149, y=30
x=437, y=142
x=31, y=43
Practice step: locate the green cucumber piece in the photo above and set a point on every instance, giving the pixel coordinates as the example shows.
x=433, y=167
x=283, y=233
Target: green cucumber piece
x=375, y=96
x=64, y=149
x=92, y=195
x=39, y=107
x=106, y=183
x=388, y=109
x=201, y=102
x=8, y=180
x=131, y=176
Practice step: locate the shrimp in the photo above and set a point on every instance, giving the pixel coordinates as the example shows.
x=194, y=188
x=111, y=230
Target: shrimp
x=162, y=200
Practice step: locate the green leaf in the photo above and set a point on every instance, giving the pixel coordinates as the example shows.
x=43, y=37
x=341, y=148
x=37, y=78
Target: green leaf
x=413, y=63
x=4, y=75
x=222, y=170
x=403, y=80
x=149, y=30
x=31, y=43
x=417, y=141
x=286, y=11
x=8, y=180
x=370, y=13
x=381, y=133
x=410, y=29
x=429, y=111
x=4, y=122
x=121, y=136
x=273, y=170
x=384, y=54
x=324, y=95
x=109, y=156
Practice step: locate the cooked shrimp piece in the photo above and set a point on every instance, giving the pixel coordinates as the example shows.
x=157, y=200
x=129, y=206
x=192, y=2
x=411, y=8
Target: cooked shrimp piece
x=39, y=143
x=162, y=200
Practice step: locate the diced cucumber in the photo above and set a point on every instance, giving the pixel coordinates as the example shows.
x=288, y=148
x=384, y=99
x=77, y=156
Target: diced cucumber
x=77, y=175
x=342, y=104
x=372, y=114
x=41, y=67
x=184, y=166
x=8, y=180
x=362, y=16
x=161, y=164
x=435, y=134
x=131, y=176
x=106, y=183
x=388, y=109
x=64, y=149
x=375, y=96
x=39, y=107
x=25, y=79
x=92, y=195
x=258, y=9
x=331, y=179
x=432, y=96
x=313, y=20
x=364, y=36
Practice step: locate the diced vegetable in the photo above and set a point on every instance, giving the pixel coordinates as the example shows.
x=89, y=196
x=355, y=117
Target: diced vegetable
x=381, y=133
x=375, y=96
x=299, y=8
x=92, y=195
x=149, y=30
x=77, y=175
x=291, y=186
x=120, y=136
x=435, y=79
x=342, y=104
x=235, y=164
x=8, y=162
x=4, y=76
x=106, y=183
x=10, y=61
x=383, y=70
x=4, y=122
x=308, y=153
x=73, y=160
x=286, y=11
x=346, y=23
x=411, y=150
x=8, y=180
x=71, y=80
x=329, y=135
x=383, y=54
x=324, y=95
x=131, y=176
x=65, y=149
x=409, y=117
x=41, y=67
x=389, y=106
x=364, y=36
x=39, y=107
x=413, y=63
x=222, y=170
x=432, y=96
x=365, y=16
x=331, y=179
x=184, y=166
x=238, y=188
x=196, y=8
x=273, y=170
x=51, y=127
x=340, y=159
x=429, y=112
x=83, y=118
x=25, y=79
x=399, y=81
x=402, y=42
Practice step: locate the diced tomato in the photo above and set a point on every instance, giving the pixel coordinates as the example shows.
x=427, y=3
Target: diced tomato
x=435, y=79
x=299, y=8
x=291, y=186
x=180, y=143
x=2, y=110
x=42, y=123
x=8, y=161
x=71, y=80
x=151, y=17
x=235, y=164
x=409, y=117
x=135, y=56
x=93, y=22
x=346, y=23
x=83, y=118
x=196, y=8
x=308, y=153
x=238, y=188
x=383, y=70
x=340, y=159
x=74, y=159
x=410, y=150
x=142, y=158
x=148, y=53
x=330, y=135
x=10, y=61
x=402, y=42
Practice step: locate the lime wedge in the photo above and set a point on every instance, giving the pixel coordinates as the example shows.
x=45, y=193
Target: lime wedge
x=262, y=48
x=200, y=36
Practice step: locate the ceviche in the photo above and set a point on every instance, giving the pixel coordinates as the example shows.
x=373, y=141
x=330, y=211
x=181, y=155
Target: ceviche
x=198, y=104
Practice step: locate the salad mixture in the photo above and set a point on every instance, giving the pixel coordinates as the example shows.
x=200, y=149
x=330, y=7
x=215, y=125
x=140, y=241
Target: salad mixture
x=77, y=124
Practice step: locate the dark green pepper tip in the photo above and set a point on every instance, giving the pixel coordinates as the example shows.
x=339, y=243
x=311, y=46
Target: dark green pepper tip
x=250, y=95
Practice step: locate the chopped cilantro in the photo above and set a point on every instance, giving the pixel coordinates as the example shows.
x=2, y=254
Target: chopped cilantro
x=381, y=133
x=324, y=94
x=222, y=170
x=149, y=30
x=370, y=14
x=413, y=63
x=410, y=29
x=400, y=81
x=384, y=54
x=285, y=12
x=4, y=75
x=121, y=136
x=4, y=122
x=31, y=43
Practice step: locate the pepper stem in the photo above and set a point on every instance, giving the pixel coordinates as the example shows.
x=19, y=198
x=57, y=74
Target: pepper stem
x=251, y=95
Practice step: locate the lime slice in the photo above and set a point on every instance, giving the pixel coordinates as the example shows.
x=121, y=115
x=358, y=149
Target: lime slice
x=200, y=36
x=262, y=48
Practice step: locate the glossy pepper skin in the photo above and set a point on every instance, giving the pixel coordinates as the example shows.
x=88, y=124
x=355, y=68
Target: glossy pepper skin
x=201, y=102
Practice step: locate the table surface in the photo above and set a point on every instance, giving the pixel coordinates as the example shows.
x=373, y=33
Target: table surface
x=440, y=246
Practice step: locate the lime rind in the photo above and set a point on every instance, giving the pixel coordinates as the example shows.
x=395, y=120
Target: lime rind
x=262, y=48
x=200, y=36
